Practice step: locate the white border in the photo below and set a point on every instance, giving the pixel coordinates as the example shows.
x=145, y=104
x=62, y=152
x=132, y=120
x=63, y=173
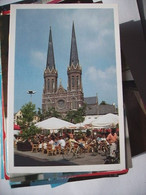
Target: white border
x=41, y=169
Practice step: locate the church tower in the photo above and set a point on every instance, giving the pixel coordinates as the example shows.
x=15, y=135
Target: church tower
x=60, y=99
x=50, y=77
x=74, y=72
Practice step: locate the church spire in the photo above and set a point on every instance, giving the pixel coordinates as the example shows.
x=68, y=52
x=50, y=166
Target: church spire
x=73, y=53
x=50, y=55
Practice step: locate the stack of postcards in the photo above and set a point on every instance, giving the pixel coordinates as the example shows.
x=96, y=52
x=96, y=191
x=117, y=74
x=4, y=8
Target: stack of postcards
x=62, y=113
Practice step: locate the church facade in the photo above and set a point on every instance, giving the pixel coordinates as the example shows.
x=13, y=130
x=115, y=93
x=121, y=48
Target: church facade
x=56, y=96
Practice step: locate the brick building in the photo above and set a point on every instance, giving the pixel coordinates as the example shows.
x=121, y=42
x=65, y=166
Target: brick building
x=71, y=98
x=56, y=96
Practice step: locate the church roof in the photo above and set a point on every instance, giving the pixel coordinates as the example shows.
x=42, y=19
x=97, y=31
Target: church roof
x=93, y=108
x=90, y=100
x=50, y=55
x=105, y=109
x=74, y=52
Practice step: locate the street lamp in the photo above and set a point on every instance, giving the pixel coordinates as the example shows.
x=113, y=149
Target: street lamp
x=31, y=92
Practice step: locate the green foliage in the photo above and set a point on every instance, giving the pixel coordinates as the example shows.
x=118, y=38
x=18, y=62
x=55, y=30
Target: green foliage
x=103, y=103
x=26, y=120
x=28, y=113
x=40, y=114
x=30, y=132
x=76, y=116
x=54, y=113
x=47, y=114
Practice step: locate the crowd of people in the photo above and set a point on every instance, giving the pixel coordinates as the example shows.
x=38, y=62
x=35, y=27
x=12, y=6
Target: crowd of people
x=108, y=140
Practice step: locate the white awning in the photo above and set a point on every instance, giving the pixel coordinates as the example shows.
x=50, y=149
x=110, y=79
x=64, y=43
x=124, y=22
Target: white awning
x=54, y=123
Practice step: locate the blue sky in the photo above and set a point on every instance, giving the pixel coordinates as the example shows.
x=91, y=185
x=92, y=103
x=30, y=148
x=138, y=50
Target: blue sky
x=96, y=50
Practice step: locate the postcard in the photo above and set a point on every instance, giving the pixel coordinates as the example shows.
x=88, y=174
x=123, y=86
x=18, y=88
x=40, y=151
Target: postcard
x=1, y=126
x=65, y=101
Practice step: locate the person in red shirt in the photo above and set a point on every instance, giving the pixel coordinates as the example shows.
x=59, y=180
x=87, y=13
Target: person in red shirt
x=112, y=140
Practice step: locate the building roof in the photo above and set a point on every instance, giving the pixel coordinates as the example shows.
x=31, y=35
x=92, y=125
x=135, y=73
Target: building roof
x=50, y=55
x=105, y=109
x=93, y=108
x=74, y=52
x=90, y=100
x=92, y=105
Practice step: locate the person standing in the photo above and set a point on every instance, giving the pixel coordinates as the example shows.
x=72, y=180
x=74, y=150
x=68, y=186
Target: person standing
x=112, y=140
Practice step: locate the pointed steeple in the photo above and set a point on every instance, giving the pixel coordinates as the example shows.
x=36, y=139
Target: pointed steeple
x=50, y=56
x=73, y=53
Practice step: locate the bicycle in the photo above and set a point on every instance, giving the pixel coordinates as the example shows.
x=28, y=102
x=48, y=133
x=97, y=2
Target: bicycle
x=74, y=152
x=100, y=148
x=113, y=160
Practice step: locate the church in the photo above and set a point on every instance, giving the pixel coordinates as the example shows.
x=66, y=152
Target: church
x=56, y=96
x=71, y=98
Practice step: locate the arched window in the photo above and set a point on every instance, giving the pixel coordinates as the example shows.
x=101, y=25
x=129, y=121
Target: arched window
x=73, y=104
x=53, y=85
x=48, y=84
x=69, y=83
x=78, y=82
x=73, y=81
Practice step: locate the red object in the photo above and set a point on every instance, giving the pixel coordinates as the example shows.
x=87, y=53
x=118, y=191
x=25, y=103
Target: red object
x=54, y=1
x=108, y=130
x=6, y=12
x=4, y=140
x=16, y=127
x=99, y=174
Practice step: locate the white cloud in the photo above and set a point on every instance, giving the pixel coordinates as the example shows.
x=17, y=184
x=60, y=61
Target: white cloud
x=102, y=82
x=37, y=58
x=94, y=31
x=94, y=74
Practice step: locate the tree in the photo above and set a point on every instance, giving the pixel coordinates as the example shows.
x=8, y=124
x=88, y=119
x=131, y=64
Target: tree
x=30, y=132
x=26, y=121
x=76, y=116
x=40, y=114
x=103, y=103
x=70, y=116
x=47, y=114
x=54, y=113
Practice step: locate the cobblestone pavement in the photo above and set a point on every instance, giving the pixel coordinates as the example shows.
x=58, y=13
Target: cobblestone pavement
x=28, y=158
